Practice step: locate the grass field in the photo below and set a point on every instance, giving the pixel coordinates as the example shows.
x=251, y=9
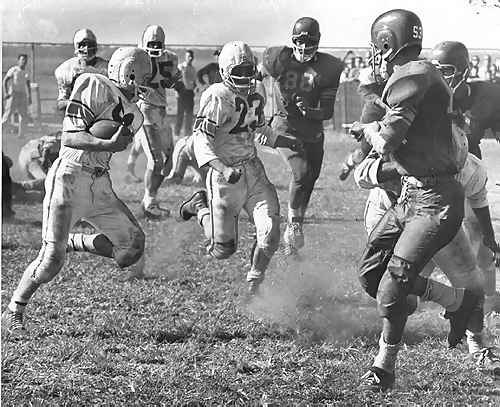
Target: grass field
x=188, y=334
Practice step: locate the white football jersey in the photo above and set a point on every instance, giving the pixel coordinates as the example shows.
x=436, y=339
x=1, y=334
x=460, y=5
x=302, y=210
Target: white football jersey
x=67, y=72
x=473, y=178
x=164, y=75
x=225, y=125
x=94, y=98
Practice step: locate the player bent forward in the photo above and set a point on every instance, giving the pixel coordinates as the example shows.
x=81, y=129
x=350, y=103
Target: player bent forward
x=230, y=113
x=78, y=184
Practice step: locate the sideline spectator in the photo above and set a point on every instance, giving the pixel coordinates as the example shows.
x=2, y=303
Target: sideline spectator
x=474, y=69
x=7, y=212
x=211, y=71
x=17, y=94
x=487, y=71
x=185, y=95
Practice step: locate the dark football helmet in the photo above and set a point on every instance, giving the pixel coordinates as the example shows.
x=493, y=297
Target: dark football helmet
x=452, y=59
x=305, y=38
x=392, y=32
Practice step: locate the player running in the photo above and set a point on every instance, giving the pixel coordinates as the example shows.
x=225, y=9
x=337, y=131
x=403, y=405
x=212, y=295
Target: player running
x=155, y=137
x=79, y=185
x=307, y=82
x=85, y=60
x=416, y=134
x=230, y=114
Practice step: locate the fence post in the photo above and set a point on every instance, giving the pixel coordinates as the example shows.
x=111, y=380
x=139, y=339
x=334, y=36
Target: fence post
x=33, y=72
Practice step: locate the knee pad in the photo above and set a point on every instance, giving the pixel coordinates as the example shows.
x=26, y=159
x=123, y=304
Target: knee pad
x=128, y=256
x=372, y=267
x=222, y=250
x=49, y=262
x=394, y=287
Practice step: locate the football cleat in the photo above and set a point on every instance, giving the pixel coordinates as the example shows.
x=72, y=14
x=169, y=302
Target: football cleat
x=377, y=380
x=154, y=211
x=345, y=171
x=293, y=238
x=191, y=207
x=254, y=287
x=136, y=271
x=487, y=361
x=459, y=319
x=12, y=324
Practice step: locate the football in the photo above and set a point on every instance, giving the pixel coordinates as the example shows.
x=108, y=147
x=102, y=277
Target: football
x=104, y=129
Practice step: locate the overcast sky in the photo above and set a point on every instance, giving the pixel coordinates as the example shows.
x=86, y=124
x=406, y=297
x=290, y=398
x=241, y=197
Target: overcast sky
x=258, y=22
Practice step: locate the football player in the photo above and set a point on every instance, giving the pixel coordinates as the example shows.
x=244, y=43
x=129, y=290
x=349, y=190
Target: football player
x=416, y=134
x=231, y=112
x=85, y=60
x=182, y=158
x=307, y=82
x=452, y=59
x=35, y=159
x=79, y=184
x=457, y=260
x=155, y=137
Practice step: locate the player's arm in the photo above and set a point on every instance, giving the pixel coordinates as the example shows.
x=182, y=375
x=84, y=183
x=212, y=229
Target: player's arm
x=202, y=72
x=324, y=111
x=28, y=91
x=373, y=171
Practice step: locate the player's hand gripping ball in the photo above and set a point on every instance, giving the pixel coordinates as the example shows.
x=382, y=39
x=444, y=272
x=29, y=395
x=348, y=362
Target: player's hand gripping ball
x=118, y=135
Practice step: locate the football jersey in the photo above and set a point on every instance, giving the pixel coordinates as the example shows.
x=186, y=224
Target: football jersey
x=473, y=178
x=483, y=104
x=417, y=129
x=95, y=97
x=164, y=74
x=225, y=125
x=68, y=71
x=312, y=81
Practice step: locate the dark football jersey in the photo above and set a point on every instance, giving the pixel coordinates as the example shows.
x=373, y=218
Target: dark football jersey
x=315, y=82
x=419, y=120
x=369, y=93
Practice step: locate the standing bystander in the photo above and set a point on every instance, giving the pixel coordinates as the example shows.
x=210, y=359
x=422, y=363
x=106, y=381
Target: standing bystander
x=17, y=93
x=185, y=95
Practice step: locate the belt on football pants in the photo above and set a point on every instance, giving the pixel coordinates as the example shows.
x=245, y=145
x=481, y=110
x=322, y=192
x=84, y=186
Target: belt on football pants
x=95, y=171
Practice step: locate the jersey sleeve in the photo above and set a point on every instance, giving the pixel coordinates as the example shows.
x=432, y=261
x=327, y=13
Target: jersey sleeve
x=210, y=117
x=90, y=97
x=365, y=174
x=272, y=61
x=475, y=189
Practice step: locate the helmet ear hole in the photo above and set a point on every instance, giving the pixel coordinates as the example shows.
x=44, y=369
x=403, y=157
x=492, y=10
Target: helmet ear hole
x=132, y=76
x=386, y=46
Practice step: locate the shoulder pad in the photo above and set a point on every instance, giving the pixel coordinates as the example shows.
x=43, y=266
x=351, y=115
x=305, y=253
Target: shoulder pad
x=275, y=59
x=64, y=68
x=411, y=81
x=366, y=77
x=333, y=65
x=94, y=86
x=170, y=56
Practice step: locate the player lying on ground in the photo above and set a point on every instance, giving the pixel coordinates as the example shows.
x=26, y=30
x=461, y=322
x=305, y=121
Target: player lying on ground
x=416, y=134
x=307, y=82
x=230, y=114
x=35, y=159
x=457, y=260
x=79, y=184
x=155, y=137
x=182, y=158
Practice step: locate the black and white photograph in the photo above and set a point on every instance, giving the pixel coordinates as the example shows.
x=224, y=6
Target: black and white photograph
x=250, y=203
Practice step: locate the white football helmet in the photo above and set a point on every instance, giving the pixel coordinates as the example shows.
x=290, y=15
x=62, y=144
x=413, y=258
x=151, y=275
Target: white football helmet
x=237, y=67
x=85, y=44
x=153, y=40
x=130, y=68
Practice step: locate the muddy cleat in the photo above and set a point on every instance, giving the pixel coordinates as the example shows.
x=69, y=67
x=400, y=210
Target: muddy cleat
x=191, y=207
x=154, y=211
x=136, y=271
x=487, y=361
x=12, y=324
x=254, y=288
x=174, y=179
x=377, y=380
x=459, y=319
x=345, y=171
x=293, y=238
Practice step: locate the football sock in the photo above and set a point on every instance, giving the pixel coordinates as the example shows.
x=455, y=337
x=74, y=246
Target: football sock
x=17, y=306
x=474, y=341
x=448, y=297
x=387, y=355
x=95, y=243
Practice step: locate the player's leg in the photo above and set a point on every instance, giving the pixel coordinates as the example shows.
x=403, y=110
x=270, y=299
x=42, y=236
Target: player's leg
x=431, y=219
x=7, y=112
x=263, y=208
x=189, y=107
x=22, y=110
x=217, y=213
x=62, y=204
x=179, y=118
x=37, y=177
x=134, y=153
x=153, y=176
x=118, y=226
x=305, y=167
